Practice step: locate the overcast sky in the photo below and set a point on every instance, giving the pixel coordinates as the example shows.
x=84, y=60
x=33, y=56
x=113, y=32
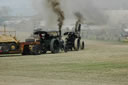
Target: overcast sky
x=112, y=4
x=18, y=7
x=24, y=7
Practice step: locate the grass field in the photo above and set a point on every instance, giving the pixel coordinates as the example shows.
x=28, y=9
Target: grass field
x=101, y=63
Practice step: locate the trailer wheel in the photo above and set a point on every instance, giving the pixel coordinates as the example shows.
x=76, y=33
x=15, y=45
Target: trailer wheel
x=77, y=44
x=5, y=48
x=54, y=46
x=82, y=45
x=13, y=46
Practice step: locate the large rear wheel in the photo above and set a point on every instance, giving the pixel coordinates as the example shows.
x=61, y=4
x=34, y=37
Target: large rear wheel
x=55, y=46
x=77, y=44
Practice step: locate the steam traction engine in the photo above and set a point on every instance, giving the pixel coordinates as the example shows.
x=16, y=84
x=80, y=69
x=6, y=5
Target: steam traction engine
x=49, y=41
x=73, y=39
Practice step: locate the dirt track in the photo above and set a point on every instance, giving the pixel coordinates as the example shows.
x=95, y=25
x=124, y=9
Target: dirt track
x=101, y=63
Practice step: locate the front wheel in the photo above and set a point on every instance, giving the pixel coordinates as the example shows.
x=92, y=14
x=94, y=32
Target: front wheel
x=26, y=50
x=36, y=50
x=82, y=45
x=65, y=48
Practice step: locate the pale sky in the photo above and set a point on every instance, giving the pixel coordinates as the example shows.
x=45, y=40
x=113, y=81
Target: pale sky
x=24, y=7
x=18, y=7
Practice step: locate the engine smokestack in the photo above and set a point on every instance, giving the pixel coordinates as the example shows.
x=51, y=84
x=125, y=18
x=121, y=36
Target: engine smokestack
x=55, y=5
x=80, y=18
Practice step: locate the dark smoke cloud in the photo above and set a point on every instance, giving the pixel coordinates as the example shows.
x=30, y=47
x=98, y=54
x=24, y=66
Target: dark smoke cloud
x=79, y=17
x=86, y=8
x=50, y=10
x=55, y=4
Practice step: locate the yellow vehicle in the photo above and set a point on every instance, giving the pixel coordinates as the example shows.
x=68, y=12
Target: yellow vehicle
x=8, y=41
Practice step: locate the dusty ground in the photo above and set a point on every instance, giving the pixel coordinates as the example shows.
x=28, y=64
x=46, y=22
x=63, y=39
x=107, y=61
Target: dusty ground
x=101, y=63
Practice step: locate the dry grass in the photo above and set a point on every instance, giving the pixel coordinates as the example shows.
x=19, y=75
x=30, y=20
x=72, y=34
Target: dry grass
x=101, y=63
